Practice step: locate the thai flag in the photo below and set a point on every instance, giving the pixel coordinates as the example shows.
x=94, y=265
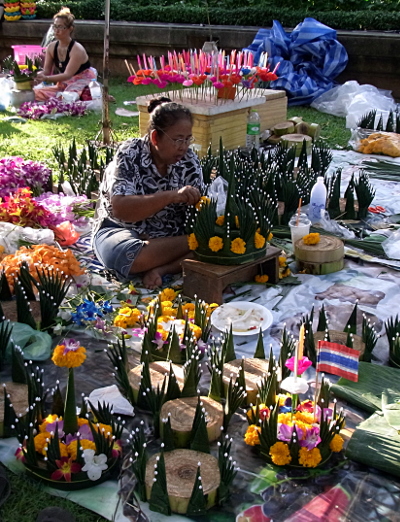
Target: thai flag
x=338, y=359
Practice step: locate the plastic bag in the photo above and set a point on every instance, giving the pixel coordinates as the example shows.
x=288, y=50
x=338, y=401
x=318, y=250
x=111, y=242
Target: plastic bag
x=12, y=235
x=370, y=141
x=218, y=191
x=391, y=245
x=35, y=345
x=352, y=101
x=330, y=225
x=5, y=92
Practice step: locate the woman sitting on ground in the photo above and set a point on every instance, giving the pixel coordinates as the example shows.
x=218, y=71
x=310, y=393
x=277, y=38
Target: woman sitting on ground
x=139, y=228
x=73, y=72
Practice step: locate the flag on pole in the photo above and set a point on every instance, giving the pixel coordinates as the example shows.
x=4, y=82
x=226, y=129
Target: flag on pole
x=338, y=359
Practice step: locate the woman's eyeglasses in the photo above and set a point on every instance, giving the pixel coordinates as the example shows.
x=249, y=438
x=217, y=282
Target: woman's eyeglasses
x=180, y=142
x=59, y=27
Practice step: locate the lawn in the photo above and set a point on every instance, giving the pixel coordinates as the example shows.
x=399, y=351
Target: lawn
x=36, y=139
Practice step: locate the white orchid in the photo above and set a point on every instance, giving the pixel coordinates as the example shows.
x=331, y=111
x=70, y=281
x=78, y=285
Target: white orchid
x=94, y=464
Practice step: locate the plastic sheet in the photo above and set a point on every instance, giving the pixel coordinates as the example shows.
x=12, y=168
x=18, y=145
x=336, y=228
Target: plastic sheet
x=352, y=101
x=310, y=58
x=12, y=235
x=35, y=345
x=218, y=191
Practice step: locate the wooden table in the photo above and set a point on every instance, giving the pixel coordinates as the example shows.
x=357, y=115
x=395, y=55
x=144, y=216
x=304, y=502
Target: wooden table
x=208, y=281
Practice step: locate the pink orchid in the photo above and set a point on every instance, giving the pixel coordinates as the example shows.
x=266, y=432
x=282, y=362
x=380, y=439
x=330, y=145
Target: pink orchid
x=311, y=438
x=302, y=366
x=158, y=340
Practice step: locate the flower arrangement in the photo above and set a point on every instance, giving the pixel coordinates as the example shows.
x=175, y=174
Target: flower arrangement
x=21, y=209
x=23, y=73
x=16, y=172
x=241, y=231
x=65, y=450
x=205, y=75
x=37, y=111
x=312, y=239
x=40, y=257
x=75, y=209
x=288, y=431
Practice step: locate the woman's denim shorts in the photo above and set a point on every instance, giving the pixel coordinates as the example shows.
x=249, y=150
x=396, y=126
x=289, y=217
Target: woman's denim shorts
x=117, y=248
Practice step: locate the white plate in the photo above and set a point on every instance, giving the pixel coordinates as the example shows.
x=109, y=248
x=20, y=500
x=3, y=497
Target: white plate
x=222, y=316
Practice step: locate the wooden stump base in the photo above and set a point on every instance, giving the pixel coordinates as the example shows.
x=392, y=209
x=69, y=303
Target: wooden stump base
x=208, y=281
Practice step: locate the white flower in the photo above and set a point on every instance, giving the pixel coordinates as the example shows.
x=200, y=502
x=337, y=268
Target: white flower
x=94, y=464
x=294, y=385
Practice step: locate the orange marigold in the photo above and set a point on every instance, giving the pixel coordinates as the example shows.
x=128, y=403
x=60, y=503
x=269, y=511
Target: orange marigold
x=220, y=221
x=192, y=242
x=336, y=444
x=312, y=239
x=259, y=240
x=84, y=443
x=261, y=278
x=251, y=436
x=215, y=244
x=238, y=246
x=280, y=454
x=309, y=458
x=68, y=358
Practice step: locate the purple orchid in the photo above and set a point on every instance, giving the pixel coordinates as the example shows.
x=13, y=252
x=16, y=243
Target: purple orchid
x=158, y=340
x=58, y=426
x=84, y=433
x=70, y=345
x=311, y=438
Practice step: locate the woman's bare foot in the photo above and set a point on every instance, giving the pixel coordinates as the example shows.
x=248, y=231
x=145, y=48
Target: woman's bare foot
x=153, y=278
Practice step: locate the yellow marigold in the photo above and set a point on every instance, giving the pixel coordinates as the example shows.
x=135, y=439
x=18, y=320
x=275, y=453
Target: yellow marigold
x=202, y=201
x=270, y=236
x=48, y=420
x=280, y=454
x=238, y=246
x=285, y=418
x=220, y=221
x=40, y=441
x=215, y=244
x=82, y=421
x=192, y=242
x=72, y=448
x=282, y=261
x=211, y=307
x=251, y=436
x=63, y=450
x=253, y=410
x=127, y=317
x=261, y=278
x=284, y=273
x=282, y=398
x=309, y=458
x=188, y=307
x=105, y=429
x=196, y=330
x=303, y=416
x=168, y=294
x=336, y=444
x=68, y=358
x=312, y=239
x=259, y=240
x=168, y=311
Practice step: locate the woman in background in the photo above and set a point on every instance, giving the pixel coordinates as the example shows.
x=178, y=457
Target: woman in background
x=140, y=217
x=66, y=61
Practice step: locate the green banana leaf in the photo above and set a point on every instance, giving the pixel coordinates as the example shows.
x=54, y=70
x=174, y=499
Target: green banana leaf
x=376, y=444
x=391, y=409
x=373, y=380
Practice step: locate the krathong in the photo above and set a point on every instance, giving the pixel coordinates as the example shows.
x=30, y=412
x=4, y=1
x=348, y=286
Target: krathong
x=202, y=76
x=63, y=449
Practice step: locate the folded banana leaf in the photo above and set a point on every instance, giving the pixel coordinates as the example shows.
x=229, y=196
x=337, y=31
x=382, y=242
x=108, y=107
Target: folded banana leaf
x=372, y=381
x=376, y=444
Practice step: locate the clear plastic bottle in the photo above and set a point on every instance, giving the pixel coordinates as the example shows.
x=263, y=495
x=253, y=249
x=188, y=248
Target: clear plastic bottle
x=317, y=200
x=253, y=130
x=95, y=89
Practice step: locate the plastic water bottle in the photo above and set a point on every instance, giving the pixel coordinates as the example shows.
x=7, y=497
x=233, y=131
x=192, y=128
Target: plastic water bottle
x=95, y=89
x=253, y=130
x=317, y=200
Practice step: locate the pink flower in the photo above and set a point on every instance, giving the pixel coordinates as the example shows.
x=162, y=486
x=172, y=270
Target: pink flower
x=158, y=340
x=302, y=366
x=311, y=438
x=187, y=83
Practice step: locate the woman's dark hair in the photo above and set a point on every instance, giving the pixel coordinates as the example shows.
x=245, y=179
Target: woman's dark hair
x=164, y=113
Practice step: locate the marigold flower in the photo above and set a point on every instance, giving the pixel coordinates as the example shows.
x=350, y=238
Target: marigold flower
x=188, y=307
x=84, y=443
x=203, y=200
x=127, y=317
x=168, y=294
x=50, y=419
x=105, y=429
x=68, y=358
x=41, y=441
x=63, y=450
x=309, y=458
x=282, y=261
x=270, y=236
x=251, y=436
x=261, y=278
x=192, y=242
x=196, y=330
x=280, y=454
x=168, y=311
x=259, y=240
x=215, y=244
x=238, y=246
x=336, y=444
x=220, y=221
x=312, y=239
x=307, y=418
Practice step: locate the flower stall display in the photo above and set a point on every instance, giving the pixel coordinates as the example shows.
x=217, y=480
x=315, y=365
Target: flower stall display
x=36, y=111
x=62, y=449
x=202, y=76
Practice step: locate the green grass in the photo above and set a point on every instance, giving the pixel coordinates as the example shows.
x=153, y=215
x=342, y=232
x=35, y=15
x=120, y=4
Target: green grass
x=35, y=139
x=27, y=499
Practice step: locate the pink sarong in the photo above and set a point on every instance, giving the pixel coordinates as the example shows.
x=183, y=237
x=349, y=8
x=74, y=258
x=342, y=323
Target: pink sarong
x=75, y=84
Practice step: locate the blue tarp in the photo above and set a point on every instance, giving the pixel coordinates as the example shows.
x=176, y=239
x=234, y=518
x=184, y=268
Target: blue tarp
x=310, y=58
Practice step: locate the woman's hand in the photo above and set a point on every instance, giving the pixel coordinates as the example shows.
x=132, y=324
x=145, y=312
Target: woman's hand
x=40, y=76
x=188, y=195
